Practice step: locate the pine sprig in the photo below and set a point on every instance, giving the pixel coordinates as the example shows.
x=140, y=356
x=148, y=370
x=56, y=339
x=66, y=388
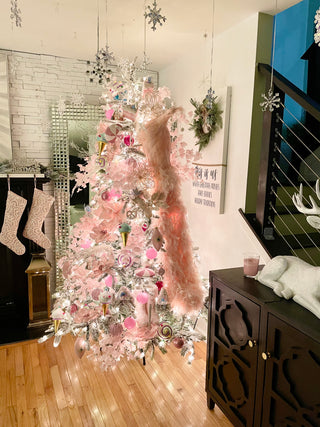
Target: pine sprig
x=207, y=120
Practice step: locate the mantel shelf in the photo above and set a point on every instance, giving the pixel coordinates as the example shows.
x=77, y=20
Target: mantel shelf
x=22, y=175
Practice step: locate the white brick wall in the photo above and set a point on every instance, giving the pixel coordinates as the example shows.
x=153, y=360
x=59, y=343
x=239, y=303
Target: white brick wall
x=36, y=83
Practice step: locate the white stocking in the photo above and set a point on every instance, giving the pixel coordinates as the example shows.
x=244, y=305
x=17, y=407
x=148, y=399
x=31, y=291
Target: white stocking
x=14, y=209
x=41, y=204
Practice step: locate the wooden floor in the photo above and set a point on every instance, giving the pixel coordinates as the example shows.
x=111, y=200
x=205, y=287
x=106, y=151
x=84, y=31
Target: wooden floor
x=45, y=386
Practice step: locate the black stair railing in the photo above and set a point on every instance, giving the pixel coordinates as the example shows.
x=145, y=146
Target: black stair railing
x=290, y=156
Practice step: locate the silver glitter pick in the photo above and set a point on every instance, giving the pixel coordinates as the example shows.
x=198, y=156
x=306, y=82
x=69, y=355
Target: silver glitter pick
x=271, y=101
x=15, y=14
x=154, y=16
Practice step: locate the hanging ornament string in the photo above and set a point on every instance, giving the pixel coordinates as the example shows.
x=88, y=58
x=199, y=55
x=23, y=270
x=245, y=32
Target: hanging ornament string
x=271, y=100
x=207, y=118
x=210, y=93
x=100, y=69
x=98, y=26
x=146, y=61
x=107, y=23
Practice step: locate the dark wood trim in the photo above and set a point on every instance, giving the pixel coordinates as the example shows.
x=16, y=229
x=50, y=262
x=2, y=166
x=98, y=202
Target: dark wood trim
x=269, y=138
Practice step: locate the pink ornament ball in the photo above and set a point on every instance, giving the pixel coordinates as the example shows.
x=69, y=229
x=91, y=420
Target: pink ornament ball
x=142, y=297
x=151, y=253
x=73, y=308
x=178, y=342
x=105, y=196
x=128, y=140
x=116, y=329
x=95, y=294
x=108, y=281
x=86, y=244
x=129, y=323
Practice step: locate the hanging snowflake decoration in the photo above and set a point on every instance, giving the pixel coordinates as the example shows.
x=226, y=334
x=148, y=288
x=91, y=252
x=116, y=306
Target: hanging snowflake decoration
x=146, y=61
x=105, y=55
x=77, y=100
x=128, y=69
x=13, y=65
x=317, y=33
x=61, y=106
x=15, y=14
x=100, y=69
x=154, y=16
x=271, y=101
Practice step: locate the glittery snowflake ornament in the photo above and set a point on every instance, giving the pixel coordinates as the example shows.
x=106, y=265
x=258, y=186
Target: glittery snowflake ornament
x=15, y=14
x=271, y=101
x=100, y=69
x=13, y=65
x=154, y=16
x=317, y=33
x=77, y=100
x=105, y=55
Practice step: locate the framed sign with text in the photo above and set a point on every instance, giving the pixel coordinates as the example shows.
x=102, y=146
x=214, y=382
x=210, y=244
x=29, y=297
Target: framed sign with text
x=208, y=185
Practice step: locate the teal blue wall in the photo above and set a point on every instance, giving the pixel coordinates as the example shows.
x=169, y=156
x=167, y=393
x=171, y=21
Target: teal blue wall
x=294, y=35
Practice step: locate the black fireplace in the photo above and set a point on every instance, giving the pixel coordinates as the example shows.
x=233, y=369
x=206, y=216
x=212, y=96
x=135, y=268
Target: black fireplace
x=14, y=314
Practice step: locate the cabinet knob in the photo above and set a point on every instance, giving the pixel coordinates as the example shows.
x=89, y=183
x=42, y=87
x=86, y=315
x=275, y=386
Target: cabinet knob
x=252, y=343
x=266, y=355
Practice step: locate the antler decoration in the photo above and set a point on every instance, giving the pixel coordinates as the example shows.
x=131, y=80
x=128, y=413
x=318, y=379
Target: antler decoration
x=314, y=221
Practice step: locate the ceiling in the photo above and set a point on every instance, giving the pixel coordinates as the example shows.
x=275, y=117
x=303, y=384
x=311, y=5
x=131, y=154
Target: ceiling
x=69, y=27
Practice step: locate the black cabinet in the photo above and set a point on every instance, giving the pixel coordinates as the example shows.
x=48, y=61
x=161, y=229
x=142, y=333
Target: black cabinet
x=263, y=356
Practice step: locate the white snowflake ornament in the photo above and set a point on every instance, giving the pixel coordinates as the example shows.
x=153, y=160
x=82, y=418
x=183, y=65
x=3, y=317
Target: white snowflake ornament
x=271, y=101
x=61, y=106
x=146, y=61
x=13, y=65
x=154, y=16
x=105, y=55
x=77, y=100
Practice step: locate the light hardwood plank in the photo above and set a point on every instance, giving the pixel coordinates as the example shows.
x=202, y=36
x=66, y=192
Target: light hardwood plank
x=3, y=382
x=45, y=386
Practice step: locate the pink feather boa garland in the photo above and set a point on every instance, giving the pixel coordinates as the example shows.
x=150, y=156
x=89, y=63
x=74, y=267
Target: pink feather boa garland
x=184, y=287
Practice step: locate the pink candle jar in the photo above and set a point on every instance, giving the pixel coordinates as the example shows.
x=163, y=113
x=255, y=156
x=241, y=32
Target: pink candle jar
x=250, y=264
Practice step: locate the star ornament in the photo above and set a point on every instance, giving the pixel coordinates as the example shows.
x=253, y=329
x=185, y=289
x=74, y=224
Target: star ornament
x=271, y=101
x=154, y=16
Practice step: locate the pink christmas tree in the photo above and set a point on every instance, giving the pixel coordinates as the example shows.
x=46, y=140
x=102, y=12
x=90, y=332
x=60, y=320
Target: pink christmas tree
x=130, y=281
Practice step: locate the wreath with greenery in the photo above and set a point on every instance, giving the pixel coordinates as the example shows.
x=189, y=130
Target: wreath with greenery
x=207, y=119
